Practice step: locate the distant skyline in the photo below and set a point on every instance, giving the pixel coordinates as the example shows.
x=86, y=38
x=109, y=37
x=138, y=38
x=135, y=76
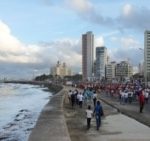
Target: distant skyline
x=35, y=34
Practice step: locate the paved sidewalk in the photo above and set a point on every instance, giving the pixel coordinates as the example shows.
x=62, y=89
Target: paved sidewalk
x=115, y=126
x=131, y=110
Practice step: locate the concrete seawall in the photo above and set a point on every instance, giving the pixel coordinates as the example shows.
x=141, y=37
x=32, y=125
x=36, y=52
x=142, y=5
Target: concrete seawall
x=51, y=125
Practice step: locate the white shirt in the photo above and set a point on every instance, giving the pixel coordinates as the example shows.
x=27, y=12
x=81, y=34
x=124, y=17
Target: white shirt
x=80, y=97
x=146, y=94
x=126, y=95
x=94, y=95
x=89, y=113
x=69, y=93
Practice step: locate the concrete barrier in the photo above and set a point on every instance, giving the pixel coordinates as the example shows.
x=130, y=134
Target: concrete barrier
x=51, y=125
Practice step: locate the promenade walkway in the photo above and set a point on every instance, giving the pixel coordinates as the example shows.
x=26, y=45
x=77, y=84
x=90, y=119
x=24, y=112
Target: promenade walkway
x=131, y=110
x=60, y=122
x=115, y=126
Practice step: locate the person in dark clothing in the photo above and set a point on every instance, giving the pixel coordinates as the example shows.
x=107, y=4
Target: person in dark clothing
x=73, y=99
x=98, y=111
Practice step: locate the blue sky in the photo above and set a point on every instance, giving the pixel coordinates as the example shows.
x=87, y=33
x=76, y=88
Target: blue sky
x=34, y=34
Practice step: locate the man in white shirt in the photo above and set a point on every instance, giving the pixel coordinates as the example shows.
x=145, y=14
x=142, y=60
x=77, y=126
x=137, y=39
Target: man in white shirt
x=146, y=96
x=80, y=100
x=94, y=98
x=89, y=114
x=69, y=95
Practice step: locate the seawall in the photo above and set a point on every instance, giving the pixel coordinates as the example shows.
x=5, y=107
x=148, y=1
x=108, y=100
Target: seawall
x=51, y=124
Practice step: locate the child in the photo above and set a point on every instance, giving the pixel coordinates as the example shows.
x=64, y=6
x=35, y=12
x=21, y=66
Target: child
x=89, y=114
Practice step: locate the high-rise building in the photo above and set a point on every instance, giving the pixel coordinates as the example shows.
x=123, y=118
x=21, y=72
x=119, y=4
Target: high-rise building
x=101, y=61
x=87, y=55
x=147, y=56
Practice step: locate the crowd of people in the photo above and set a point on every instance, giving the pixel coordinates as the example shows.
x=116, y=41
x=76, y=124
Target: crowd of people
x=87, y=97
x=124, y=93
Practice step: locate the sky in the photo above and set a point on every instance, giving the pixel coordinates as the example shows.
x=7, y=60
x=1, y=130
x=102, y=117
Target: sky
x=35, y=34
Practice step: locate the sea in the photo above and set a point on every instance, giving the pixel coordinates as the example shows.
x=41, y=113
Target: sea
x=20, y=107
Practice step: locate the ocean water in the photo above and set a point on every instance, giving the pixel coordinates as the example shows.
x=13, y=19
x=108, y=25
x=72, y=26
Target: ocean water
x=20, y=107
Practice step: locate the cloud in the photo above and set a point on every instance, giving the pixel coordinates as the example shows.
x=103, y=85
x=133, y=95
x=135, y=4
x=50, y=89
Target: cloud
x=127, y=9
x=86, y=10
x=99, y=41
x=16, y=56
x=81, y=6
x=128, y=50
x=67, y=50
x=133, y=17
x=12, y=50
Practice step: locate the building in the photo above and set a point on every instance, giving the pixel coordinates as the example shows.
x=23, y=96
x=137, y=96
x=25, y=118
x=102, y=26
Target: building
x=111, y=71
x=101, y=61
x=123, y=70
x=141, y=68
x=147, y=56
x=61, y=70
x=87, y=56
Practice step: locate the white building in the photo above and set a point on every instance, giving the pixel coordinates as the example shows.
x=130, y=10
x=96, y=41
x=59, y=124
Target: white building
x=101, y=61
x=123, y=70
x=61, y=70
x=111, y=71
x=87, y=55
x=147, y=56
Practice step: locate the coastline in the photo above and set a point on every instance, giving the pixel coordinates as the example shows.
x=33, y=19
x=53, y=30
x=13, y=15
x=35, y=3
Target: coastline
x=51, y=115
x=21, y=106
x=51, y=124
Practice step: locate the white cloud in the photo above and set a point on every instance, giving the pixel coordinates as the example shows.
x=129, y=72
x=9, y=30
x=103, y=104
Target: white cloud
x=99, y=41
x=129, y=42
x=12, y=50
x=127, y=48
x=67, y=50
x=134, y=17
x=35, y=56
x=127, y=9
x=131, y=16
x=86, y=10
x=81, y=6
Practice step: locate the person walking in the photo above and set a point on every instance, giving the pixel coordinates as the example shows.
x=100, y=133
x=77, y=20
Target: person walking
x=98, y=112
x=89, y=114
x=73, y=99
x=146, y=95
x=141, y=101
x=94, y=98
x=69, y=95
x=80, y=100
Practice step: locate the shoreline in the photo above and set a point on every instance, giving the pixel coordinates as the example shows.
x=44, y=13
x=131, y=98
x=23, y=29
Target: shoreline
x=54, y=88
x=51, y=124
x=50, y=113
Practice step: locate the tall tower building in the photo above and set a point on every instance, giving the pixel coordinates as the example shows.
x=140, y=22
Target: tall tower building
x=101, y=61
x=147, y=56
x=87, y=55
